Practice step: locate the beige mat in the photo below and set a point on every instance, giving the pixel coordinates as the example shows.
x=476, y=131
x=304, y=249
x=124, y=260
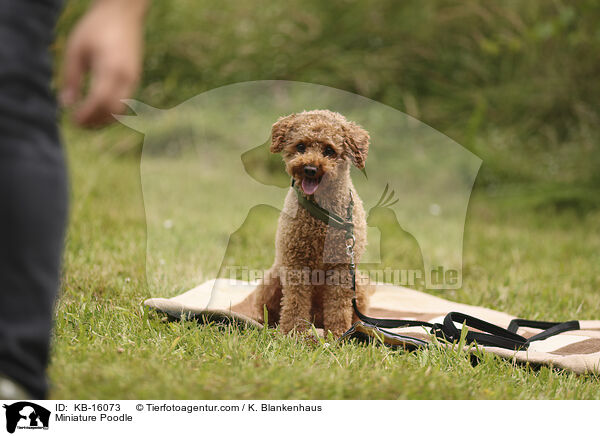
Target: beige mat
x=228, y=300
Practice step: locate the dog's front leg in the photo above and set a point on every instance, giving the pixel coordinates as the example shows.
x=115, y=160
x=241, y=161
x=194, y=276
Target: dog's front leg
x=295, y=303
x=337, y=302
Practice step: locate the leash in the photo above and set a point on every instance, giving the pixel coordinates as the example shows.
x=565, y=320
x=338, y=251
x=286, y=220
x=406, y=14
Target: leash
x=347, y=224
x=324, y=215
x=334, y=220
x=485, y=333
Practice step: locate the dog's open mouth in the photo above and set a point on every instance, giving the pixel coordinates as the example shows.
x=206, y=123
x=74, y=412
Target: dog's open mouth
x=310, y=184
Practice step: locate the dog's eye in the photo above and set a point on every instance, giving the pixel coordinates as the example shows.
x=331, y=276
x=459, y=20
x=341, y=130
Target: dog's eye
x=328, y=151
x=301, y=148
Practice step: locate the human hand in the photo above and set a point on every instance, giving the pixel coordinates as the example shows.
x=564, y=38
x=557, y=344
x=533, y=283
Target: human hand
x=106, y=42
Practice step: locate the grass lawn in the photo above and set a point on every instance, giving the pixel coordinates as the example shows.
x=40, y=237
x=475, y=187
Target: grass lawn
x=525, y=253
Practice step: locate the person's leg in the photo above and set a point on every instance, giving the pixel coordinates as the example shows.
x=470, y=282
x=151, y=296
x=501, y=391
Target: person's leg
x=32, y=216
x=33, y=192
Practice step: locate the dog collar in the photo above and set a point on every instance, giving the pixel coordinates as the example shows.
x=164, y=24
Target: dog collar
x=322, y=214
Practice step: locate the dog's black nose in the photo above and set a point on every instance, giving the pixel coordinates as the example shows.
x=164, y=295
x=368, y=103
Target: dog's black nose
x=310, y=171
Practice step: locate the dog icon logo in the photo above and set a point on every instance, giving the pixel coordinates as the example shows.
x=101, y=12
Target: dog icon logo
x=209, y=182
x=26, y=415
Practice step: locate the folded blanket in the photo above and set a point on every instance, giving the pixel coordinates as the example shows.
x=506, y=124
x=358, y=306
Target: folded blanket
x=232, y=301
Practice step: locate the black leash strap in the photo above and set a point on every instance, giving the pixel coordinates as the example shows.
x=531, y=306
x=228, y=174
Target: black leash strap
x=485, y=333
x=320, y=213
x=388, y=323
x=488, y=334
x=550, y=328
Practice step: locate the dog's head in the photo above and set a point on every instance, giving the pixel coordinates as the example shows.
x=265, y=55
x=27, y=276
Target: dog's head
x=319, y=145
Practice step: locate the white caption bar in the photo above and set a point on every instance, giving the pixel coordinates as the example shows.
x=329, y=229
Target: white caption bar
x=160, y=417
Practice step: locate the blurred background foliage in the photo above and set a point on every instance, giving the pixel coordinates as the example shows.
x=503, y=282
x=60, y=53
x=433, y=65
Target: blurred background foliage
x=516, y=82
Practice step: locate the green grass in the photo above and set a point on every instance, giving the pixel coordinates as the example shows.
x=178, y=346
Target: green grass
x=527, y=252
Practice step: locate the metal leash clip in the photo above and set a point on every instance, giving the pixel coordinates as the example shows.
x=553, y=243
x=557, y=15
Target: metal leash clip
x=350, y=247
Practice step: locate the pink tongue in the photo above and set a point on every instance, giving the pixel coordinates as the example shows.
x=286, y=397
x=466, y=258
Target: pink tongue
x=309, y=186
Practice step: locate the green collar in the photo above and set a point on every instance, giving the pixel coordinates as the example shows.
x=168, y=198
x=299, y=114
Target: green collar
x=324, y=215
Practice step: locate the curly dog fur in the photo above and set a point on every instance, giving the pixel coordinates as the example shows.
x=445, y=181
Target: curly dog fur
x=309, y=281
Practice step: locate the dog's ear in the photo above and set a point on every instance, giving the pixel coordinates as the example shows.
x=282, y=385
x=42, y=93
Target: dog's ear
x=279, y=130
x=357, y=141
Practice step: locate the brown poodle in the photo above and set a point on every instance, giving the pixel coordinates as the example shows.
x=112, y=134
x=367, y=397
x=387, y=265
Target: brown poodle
x=310, y=279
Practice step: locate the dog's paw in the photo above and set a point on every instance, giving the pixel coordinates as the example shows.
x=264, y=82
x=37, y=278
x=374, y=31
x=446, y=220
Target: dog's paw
x=294, y=327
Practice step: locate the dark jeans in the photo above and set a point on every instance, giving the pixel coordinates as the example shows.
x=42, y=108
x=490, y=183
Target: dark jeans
x=33, y=191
